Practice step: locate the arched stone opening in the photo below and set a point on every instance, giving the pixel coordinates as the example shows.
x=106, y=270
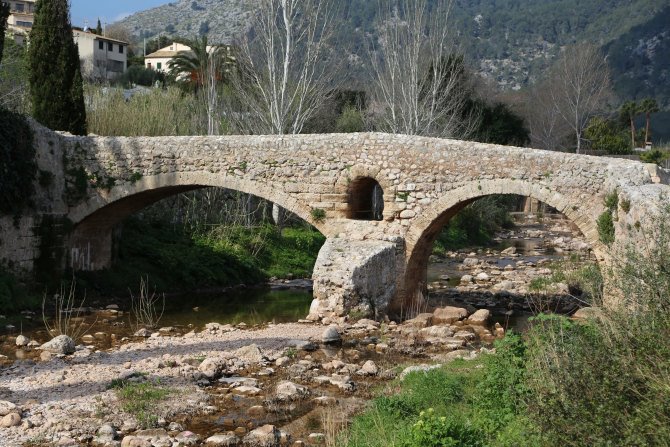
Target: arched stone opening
x=91, y=243
x=365, y=197
x=423, y=232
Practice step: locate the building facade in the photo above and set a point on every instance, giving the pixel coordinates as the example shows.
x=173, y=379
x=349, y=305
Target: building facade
x=21, y=18
x=102, y=58
x=159, y=60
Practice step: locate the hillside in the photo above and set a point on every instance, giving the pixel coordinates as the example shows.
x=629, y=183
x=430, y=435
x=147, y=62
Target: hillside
x=508, y=41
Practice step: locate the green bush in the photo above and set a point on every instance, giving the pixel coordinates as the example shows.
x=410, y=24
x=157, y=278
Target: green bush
x=605, y=224
x=607, y=135
x=432, y=430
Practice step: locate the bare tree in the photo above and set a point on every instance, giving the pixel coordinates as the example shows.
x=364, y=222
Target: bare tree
x=548, y=129
x=580, y=86
x=421, y=87
x=283, y=76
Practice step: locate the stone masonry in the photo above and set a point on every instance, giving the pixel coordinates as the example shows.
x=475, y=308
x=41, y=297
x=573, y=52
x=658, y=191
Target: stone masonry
x=102, y=180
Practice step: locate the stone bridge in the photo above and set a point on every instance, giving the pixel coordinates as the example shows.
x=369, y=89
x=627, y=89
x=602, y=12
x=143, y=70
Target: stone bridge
x=371, y=262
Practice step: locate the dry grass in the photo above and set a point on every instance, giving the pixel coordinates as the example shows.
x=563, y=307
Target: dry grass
x=68, y=316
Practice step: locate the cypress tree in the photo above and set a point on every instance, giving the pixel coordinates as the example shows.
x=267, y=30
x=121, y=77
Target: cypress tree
x=56, y=85
x=98, y=29
x=4, y=13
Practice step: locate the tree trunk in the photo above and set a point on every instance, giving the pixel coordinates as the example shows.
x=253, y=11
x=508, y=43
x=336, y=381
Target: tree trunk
x=646, y=129
x=632, y=132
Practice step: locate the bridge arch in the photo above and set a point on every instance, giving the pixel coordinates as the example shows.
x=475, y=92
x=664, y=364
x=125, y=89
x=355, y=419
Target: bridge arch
x=90, y=242
x=423, y=230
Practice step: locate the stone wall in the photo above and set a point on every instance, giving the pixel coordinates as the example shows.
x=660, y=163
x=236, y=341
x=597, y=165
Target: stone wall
x=354, y=278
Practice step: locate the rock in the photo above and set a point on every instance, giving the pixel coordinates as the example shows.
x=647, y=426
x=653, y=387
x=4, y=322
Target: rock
x=212, y=368
x=105, y=435
x=470, y=262
x=256, y=411
x=480, y=317
x=504, y=285
x=7, y=407
x=331, y=335
x=144, y=332
x=448, y=314
x=316, y=438
x=175, y=426
x=343, y=382
x=303, y=345
x=509, y=251
x=499, y=330
x=466, y=279
x=265, y=436
x=134, y=441
x=482, y=277
x=59, y=345
x=421, y=320
x=465, y=335
x=10, y=420
x=22, y=340
x=246, y=390
x=250, y=353
x=227, y=440
x=369, y=369
x=187, y=438
x=290, y=391
x=436, y=332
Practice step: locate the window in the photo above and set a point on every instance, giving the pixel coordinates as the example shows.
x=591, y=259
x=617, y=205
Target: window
x=120, y=49
x=159, y=66
x=101, y=45
x=115, y=66
x=110, y=46
x=149, y=65
x=19, y=7
x=366, y=199
x=24, y=24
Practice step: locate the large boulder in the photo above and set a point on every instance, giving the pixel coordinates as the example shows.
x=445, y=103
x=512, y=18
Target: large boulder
x=59, y=345
x=449, y=315
x=290, y=391
x=331, y=335
x=265, y=436
x=480, y=317
x=7, y=407
x=11, y=420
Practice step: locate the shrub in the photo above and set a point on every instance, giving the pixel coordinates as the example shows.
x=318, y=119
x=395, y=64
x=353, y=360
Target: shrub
x=606, y=232
x=432, y=430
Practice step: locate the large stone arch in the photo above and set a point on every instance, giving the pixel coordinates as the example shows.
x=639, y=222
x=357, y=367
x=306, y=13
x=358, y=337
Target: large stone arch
x=90, y=242
x=423, y=230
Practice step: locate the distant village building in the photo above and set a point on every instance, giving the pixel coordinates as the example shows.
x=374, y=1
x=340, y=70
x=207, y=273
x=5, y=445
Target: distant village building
x=159, y=60
x=21, y=19
x=102, y=58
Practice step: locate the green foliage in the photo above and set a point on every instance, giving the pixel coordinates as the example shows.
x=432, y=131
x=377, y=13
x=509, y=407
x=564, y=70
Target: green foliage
x=141, y=400
x=140, y=75
x=351, y=120
x=56, y=85
x=654, y=156
x=605, y=223
x=432, y=430
x=608, y=136
x=318, y=215
x=612, y=200
x=178, y=259
x=498, y=124
x=500, y=395
x=475, y=224
x=17, y=163
x=14, y=75
x=4, y=13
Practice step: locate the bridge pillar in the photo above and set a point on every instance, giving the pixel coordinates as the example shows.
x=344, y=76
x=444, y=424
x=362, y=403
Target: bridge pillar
x=356, y=277
x=91, y=248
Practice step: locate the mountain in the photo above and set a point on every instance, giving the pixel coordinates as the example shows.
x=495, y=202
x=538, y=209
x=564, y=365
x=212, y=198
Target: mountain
x=510, y=42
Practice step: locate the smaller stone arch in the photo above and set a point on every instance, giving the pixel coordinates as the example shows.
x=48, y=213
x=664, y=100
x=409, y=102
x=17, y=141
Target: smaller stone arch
x=365, y=199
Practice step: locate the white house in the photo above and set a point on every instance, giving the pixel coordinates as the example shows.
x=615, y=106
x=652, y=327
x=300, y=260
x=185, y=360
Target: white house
x=21, y=18
x=102, y=57
x=158, y=60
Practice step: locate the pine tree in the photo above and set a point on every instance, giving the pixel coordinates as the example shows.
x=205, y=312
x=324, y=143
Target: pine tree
x=56, y=85
x=98, y=29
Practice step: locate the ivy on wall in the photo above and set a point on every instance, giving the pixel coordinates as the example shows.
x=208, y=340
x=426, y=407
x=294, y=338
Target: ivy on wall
x=17, y=163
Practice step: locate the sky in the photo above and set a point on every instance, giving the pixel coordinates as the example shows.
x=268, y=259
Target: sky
x=108, y=10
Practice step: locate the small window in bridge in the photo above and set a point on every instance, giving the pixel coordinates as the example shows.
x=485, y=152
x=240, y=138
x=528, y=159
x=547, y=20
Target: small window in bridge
x=366, y=199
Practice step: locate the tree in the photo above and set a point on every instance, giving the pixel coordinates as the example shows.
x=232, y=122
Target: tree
x=629, y=110
x=580, y=86
x=420, y=85
x=548, y=130
x=98, y=28
x=607, y=135
x=648, y=106
x=55, y=79
x=283, y=74
x=204, y=68
x=4, y=13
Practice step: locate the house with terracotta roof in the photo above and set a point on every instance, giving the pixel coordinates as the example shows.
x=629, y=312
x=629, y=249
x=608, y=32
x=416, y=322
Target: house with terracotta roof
x=159, y=60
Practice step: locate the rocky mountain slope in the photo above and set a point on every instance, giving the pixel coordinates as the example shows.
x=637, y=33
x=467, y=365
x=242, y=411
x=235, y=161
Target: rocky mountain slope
x=510, y=42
